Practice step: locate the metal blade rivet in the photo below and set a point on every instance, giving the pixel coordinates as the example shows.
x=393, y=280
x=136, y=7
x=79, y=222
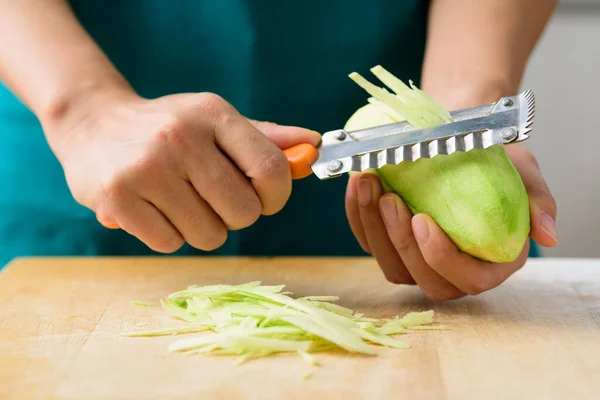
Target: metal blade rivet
x=341, y=135
x=334, y=166
x=507, y=102
x=509, y=133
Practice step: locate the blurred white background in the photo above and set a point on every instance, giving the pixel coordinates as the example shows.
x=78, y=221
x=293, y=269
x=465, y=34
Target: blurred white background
x=564, y=73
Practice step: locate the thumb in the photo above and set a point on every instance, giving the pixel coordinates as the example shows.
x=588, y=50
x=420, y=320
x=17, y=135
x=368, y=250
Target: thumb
x=287, y=136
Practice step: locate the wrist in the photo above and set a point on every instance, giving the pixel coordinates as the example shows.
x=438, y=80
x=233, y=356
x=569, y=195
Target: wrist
x=456, y=95
x=74, y=102
x=70, y=108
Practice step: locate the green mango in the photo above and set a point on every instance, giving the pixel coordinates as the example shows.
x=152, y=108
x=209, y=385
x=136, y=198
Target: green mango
x=477, y=198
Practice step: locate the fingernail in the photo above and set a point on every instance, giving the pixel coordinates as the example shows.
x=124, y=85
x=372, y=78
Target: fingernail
x=420, y=228
x=365, y=192
x=548, y=225
x=389, y=211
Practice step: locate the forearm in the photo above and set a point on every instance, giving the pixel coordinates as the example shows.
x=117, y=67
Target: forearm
x=477, y=50
x=49, y=61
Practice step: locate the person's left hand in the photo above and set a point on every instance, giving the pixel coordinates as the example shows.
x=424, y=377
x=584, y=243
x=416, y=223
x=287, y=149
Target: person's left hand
x=414, y=250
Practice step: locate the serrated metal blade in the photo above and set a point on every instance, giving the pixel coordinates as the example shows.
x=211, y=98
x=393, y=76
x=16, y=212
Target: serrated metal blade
x=507, y=121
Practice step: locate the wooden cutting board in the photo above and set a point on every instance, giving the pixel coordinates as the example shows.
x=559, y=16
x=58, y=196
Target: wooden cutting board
x=537, y=336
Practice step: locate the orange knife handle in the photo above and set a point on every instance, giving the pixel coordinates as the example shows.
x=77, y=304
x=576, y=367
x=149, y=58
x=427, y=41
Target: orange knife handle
x=300, y=158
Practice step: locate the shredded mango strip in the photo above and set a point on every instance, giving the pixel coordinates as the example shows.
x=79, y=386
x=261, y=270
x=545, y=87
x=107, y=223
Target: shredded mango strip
x=253, y=320
x=408, y=103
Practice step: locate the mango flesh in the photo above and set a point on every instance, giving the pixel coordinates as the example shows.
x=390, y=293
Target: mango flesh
x=477, y=198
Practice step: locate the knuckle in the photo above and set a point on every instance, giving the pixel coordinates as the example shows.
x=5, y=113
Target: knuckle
x=246, y=213
x=116, y=195
x=402, y=244
x=172, y=131
x=169, y=244
x=211, y=104
x=393, y=278
x=202, y=234
x=435, y=296
x=540, y=188
x=442, y=253
x=542, y=193
x=396, y=277
x=116, y=190
x=551, y=201
x=271, y=165
x=436, y=258
x=213, y=241
x=552, y=207
x=364, y=247
x=478, y=286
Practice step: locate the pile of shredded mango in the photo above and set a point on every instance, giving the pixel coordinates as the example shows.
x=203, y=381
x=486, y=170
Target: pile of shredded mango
x=253, y=320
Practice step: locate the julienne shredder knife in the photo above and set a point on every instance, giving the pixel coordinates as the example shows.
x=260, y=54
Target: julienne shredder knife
x=506, y=121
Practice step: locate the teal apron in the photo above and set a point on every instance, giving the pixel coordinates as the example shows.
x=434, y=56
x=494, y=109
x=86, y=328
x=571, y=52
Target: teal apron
x=283, y=61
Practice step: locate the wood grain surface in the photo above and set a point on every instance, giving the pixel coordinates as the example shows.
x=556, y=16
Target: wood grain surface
x=537, y=336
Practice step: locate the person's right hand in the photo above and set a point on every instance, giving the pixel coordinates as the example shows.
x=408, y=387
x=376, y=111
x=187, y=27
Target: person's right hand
x=184, y=167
